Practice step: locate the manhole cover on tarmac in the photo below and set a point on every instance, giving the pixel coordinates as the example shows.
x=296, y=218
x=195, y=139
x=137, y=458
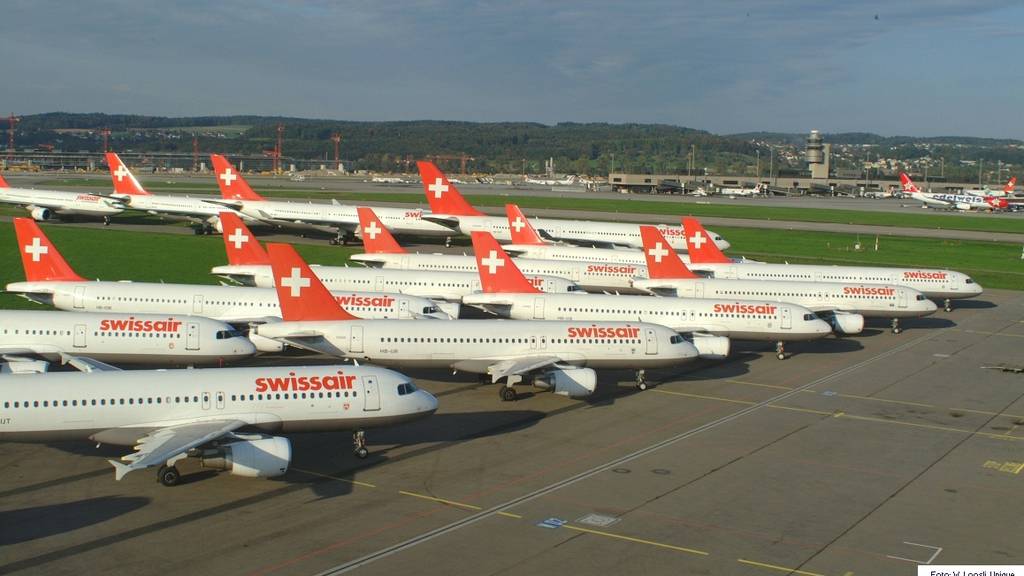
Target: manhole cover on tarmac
x=598, y=520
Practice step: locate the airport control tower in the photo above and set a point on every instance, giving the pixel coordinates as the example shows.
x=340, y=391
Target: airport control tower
x=819, y=156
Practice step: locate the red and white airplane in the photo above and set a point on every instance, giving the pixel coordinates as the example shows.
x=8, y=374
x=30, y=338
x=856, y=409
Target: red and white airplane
x=1007, y=190
x=49, y=204
x=965, y=201
x=448, y=207
x=129, y=191
x=383, y=251
x=843, y=305
x=249, y=264
x=238, y=195
x=27, y=336
x=560, y=356
x=709, y=321
x=944, y=284
x=225, y=417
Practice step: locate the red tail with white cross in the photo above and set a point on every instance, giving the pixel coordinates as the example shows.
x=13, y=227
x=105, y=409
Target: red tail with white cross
x=39, y=257
x=699, y=244
x=519, y=227
x=124, y=181
x=376, y=238
x=241, y=246
x=498, y=273
x=662, y=260
x=301, y=294
x=442, y=195
x=3, y=183
x=232, y=185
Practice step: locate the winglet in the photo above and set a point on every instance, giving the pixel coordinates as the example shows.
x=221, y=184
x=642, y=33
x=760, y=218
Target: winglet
x=240, y=244
x=498, y=273
x=519, y=227
x=232, y=185
x=443, y=197
x=908, y=184
x=124, y=181
x=120, y=469
x=301, y=294
x=3, y=183
x=699, y=245
x=39, y=257
x=662, y=260
x=376, y=238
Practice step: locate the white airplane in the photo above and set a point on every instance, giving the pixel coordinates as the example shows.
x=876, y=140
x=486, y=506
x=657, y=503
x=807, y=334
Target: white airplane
x=964, y=202
x=26, y=336
x=249, y=264
x=50, y=280
x=49, y=204
x=757, y=190
x=342, y=218
x=448, y=207
x=382, y=251
x=710, y=322
x=843, y=305
x=560, y=356
x=129, y=191
x=223, y=416
x=569, y=180
x=945, y=284
x=1007, y=190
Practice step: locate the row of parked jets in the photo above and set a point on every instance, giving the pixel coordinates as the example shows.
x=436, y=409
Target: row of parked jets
x=558, y=317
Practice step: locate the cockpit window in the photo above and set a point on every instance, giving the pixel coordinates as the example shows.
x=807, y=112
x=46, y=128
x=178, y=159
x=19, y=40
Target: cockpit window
x=431, y=310
x=225, y=334
x=574, y=288
x=809, y=317
x=676, y=339
x=921, y=297
x=406, y=388
x=968, y=281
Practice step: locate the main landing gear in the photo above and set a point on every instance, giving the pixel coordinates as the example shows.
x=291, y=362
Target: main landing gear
x=106, y=220
x=641, y=380
x=507, y=394
x=780, y=350
x=948, y=305
x=896, y=326
x=359, y=444
x=448, y=242
x=168, y=475
x=342, y=239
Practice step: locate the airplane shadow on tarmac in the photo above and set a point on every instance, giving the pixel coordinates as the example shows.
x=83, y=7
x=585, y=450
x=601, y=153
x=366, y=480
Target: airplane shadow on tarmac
x=26, y=524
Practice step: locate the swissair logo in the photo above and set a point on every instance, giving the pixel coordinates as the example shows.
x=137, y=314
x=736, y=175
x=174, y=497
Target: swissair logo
x=36, y=249
x=698, y=240
x=228, y=176
x=121, y=172
x=296, y=282
x=372, y=230
x=658, y=252
x=518, y=224
x=237, y=238
x=438, y=188
x=492, y=262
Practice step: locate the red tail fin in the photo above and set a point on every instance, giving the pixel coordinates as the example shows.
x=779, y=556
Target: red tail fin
x=301, y=294
x=376, y=238
x=520, y=228
x=39, y=257
x=3, y=183
x=699, y=245
x=498, y=273
x=240, y=244
x=1008, y=188
x=442, y=196
x=124, y=180
x=662, y=260
x=232, y=185
x=908, y=184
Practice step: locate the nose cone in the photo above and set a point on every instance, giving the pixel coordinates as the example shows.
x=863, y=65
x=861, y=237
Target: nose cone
x=974, y=289
x=722, y=243
x=426, y=402
x=819, y=327
x=242, y=346
x=686, y=351
x=927, y=307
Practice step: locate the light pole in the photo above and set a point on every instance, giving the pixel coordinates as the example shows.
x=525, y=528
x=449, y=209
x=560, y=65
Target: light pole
x=758, y=176
x=771, y=164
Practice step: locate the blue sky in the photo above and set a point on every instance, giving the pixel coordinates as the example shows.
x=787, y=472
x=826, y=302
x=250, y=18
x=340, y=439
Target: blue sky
x=922, y=68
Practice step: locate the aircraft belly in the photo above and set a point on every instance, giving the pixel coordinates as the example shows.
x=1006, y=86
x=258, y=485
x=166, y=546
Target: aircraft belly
x=347, y=420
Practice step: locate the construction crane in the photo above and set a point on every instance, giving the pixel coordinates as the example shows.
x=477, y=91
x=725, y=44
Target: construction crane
x=276, y=156
x=12, y=121
x=195, y=153
x=462, y=158
x=336, y=138
x=105, y=132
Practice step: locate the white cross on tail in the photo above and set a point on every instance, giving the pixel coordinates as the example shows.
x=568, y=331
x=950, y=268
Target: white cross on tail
x=296, y=282
x=492, y=262
x=36, y=249
x=237, y=238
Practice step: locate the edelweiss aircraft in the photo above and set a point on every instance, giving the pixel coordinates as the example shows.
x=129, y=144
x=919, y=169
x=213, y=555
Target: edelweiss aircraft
x=955, y=201
x=945, y=284
x=129, y=191
x=223, y=416
x=118, y=338
x=249, y=264
x=236, y=194
x=384, y=252
x=560, y=356
x=51, y=280
x=843, y=305
x=48, y=204
x=711, y=322
x=448, y=207
x=1007, y=190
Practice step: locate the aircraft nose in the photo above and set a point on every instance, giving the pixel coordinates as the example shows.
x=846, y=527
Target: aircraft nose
x=427, y=402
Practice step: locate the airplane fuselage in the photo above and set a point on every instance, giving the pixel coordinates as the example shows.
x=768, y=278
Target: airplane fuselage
x=57, y=202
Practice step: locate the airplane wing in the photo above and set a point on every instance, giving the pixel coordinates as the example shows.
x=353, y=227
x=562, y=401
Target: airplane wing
x=449, y=221
x=85, y=364
x=669, y=291
x=584, y=242
x=160, y=445
x=236, y=204
x=503, y=368
x=312, y=342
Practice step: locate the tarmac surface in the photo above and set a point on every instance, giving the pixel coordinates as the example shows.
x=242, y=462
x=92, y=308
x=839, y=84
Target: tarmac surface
x=856, y=456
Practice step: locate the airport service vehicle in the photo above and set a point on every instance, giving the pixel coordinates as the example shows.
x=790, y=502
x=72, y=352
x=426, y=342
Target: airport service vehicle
x=944, y=284
x=559, y=356
x=448, y=207
x=963, y=202
x=709, y=321
x=1007, y=190
x=382, y=251
x=130, y=192
x=843, y=305
x=248, y=264
x=224, y=417
x=50, y=204
x=238, y=195
x=26, y=335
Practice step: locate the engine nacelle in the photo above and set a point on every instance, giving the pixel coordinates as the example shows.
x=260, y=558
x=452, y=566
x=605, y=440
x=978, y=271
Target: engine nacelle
x=214, y=222
x=963, y=206
x=261, y=458
x=711, y=347
x=571, y=382
x=264, y=344
x=41, y=214
x=24, y=366
x=846, y=323
x=452, y=309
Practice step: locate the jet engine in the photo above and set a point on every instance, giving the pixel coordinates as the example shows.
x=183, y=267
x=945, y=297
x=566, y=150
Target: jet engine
x=845, y=323
x=41, y=214
x=214, y=222
x=264, y=344
x=263, y=457
x=964, y=206
x=711, y=347
x=571, y=382
x=24, y=366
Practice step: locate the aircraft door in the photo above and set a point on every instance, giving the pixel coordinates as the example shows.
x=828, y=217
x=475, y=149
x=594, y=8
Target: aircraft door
x=575, y=274
x=79, y=335
x=787, y=317
x=699, y=290
x=79, y=297
x=371, y=394
x=192, y=336
x=220, y=400
x=356, y=339
x=651, y=341
x=206, y=400
x=901, y=298
x=378, y=284
x=197, y=304
x=403, y=308
x=538, y=308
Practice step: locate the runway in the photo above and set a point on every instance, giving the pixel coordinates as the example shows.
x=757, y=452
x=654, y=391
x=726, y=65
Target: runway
x=857, y=456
